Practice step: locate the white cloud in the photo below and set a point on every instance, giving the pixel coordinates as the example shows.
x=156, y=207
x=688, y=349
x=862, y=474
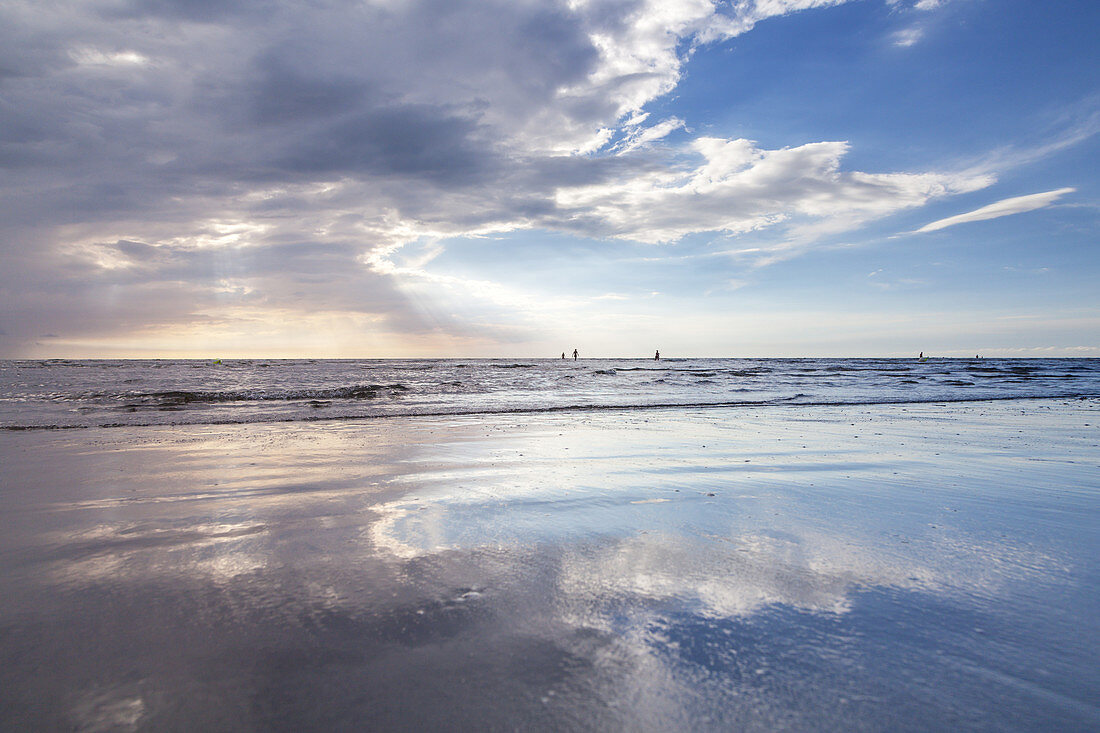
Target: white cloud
x=1080, y=122
x=908, y=37
x=1006, y=207
x=641, y=137
x=738, y=187
x=96, y=57
x=915, y=33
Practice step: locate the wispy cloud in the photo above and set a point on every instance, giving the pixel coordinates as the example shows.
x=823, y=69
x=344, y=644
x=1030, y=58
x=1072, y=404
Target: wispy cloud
x=1005, y=207
x=638, y=137
x=907, y=37
x=734, y=186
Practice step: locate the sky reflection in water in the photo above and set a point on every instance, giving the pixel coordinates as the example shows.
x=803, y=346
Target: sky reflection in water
x=827, y=568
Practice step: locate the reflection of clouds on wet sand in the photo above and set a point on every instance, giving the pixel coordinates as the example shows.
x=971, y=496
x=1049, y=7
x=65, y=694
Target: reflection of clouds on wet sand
x=597, y=632
x=733, y=572
x=523, y=583
x=407, y=531
x=688, y=626
x=147, y=551
x=102, y=710
x=736, y=576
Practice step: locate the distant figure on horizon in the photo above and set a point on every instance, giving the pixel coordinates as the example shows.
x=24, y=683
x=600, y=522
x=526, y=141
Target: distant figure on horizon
x=657, y=355
x=921, y=355
x=563, y=355
x=574, y=354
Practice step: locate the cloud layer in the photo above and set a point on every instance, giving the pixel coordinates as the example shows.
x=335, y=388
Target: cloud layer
x=189, y=165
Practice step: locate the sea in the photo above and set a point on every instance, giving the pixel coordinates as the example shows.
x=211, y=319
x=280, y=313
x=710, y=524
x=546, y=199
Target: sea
x=61, y=394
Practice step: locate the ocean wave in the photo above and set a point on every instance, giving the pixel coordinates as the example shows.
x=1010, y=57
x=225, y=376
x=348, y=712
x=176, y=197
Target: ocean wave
x=787, y=402
x=706, y=372
x=131, y=393
x=186, y=397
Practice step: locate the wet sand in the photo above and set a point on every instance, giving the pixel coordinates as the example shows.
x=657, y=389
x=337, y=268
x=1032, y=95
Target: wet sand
x=886, y=567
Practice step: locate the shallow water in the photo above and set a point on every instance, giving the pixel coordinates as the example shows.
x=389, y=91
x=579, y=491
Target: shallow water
x=913, y=567
x=86, y=393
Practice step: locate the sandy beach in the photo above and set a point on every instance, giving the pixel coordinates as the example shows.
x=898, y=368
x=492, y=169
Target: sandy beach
x=879, y=567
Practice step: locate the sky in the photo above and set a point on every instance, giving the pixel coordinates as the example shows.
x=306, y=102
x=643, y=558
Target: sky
x=509, y=178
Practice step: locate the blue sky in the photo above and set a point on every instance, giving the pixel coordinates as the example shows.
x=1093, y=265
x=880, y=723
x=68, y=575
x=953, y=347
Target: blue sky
x=384, y=178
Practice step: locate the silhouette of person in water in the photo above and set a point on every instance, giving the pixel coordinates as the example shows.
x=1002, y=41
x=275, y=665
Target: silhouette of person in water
x=574, y=354
x=657, y=355
x=921, y=355
x=563, y=355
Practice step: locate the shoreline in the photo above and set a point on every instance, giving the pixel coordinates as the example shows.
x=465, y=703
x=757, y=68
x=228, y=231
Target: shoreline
x=505, y=412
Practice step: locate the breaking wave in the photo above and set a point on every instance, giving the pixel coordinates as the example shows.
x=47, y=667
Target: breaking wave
x=186, y=397
x=792, y=401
